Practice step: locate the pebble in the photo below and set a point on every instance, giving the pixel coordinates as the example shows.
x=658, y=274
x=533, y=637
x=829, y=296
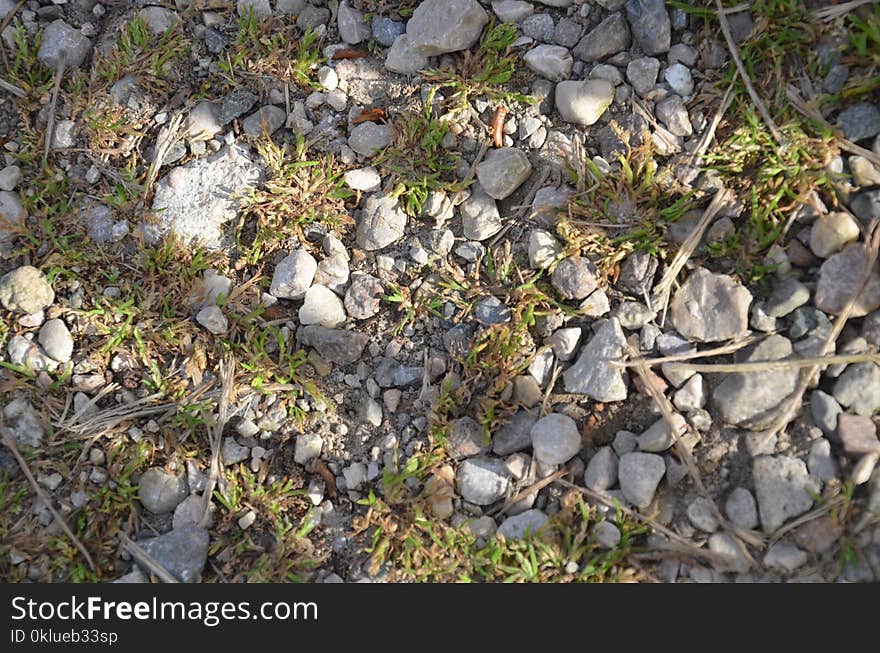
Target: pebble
x=691, y=395
x=824, y=410
x=465, y=438
x=710, y=307
x=857, y=434
x=784, y=489
x=609, y=37
x=633, y=315
x=640, y=474
x=858, y=389
x=321, y=306
x=233, y=453
x=351, y=25
x=363, y=179
x=679, y=79
x=293, y=275
x=402, y=57
x=863, y=171
x=575, y=277
x=56, y=340
x=480, y=218
x=337, y=345
x=838, y=279
x=538, y=27
x=160, y=492
x=751, y=400
x=592, y=374
x=860, y=121
x=601, y=472
x=183, y=551
x=502, y=171
x=659, y=437
x=642, y=74
x=784, y=557
x=10, y=178
x=441, y=26
x=512, y=11
x=58, y=38
x=482, y=481
x=368, y=138
x=637, y=273
x=382, y=223
x=552, y=62
x=820, y=461
x=515, y=435
x=25, y=290
x=385, y=30
x=265, y=121
x=788, y=294
x=544, y=249
x=191, y=511
x=583, y=102
x=525, y=524
x=363, y=297
x=625, y=442
x=212, y=318
x=724, y=544
x=555, y=439
x=672, y=112
x=832, y=232
x=650, y=24
x=308, y=446
x=607, y=535
x=741, y=509
x=700, y=514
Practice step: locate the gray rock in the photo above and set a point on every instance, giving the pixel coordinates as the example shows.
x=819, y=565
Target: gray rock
x=266, y=120
x=159, y=20
x=465, y=438
x=609, y=37
x=310, y=17
x=820, y=461
x=368, y=138
x=539, y=27
x=553, y=62
x=480, y=218
x=548, y=202
x=659, y=437
x=25, y=290
x=710, y=307
x=491, y=310
x=564, y=342
x=783, y=487
x=679, y=79
x=651, y=27
x=370, y=412
x=336, y=345
x=321, y=306
x=866, y=205
x=23, y=424
x=61, y=41
x=351, y=25
x=592, y=374
x=333, y=273
x=788, y=294
x=642, y=74
x=232, y=452
x=203, y=122
x=64, y=135
x=555, y=439
x=385, y=30
x=637, y=273
x=212, y=318
x=741, y=509
x=523, y=525
x=259, y=9
x=751, y=399
x=700, y=514
x=440, y=26
x=512, y=11
x=784, y=557
x=543, y=249
x=363, y=179
x=56, y=340
x=182, y=551
x=601, y=472
x=725, y=544
x=363, y=297
x=502, y=171
x=824, y=409
x=863, y=171
x=838, y=279
x=515, y=435
x=625, y=442
x=584, y=102
x=640, y=474
x=857, y=434
x=482, y=481
x=575, y=277
x=293, y=275
x=190, y=203
x=234, y=105
x=215, y=41
x=190, y=512
x=633, y=315
x=692, y=395
x=674, y=115
x=382, y=223
x=858, y=389
x=160, y=492
x=402, y=57
x=832, y=232
x=10, y=178
x=308, y=446
x=860, y=121
x=12, y=215
x=607, y=535
x=807, y=321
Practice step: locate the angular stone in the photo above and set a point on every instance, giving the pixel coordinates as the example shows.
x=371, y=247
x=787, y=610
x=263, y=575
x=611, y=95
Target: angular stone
x=266, y=120
x=368, y=138
x=440, y=26
x=601, y=472
x=517, y=527
x=858, y=388
x=783, y=487
x=659, y=437
x=363, y=297
x=382, y=223
x=25, y=290
x=160, y=492
x=583, y=102
x=293, y=275
x=337, y=345
x=403, y=59
x=832, y=232
x=575, y=277
x=465, y=438
x=482, y=481
x=182, y=551
x=322, y=306
x=857, y=434
x=650, y=24
x=502, y=171
x=61, y=42
x=710, y=307
x=552, y=62
x=825, y=410
x=592, y=374
x=555, y=439
x=609, y=37
x=640, y=474
x=543, y=249
x=741, y=509
x=480, y=218
x=515, y=435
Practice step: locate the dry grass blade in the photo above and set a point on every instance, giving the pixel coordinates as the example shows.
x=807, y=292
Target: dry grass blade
x=769, y=366
x=146, y=560
x=50, y=122
x=532, y=489
x=721, y=199
x=803, y=519
x=791, y=404
x=227, y=376
x=756, y=99
x=715, y=351
x=828, y=14
x=168, y=136
x=739, y=536
x=12, y=88
x=678, y=543
x=22, y=463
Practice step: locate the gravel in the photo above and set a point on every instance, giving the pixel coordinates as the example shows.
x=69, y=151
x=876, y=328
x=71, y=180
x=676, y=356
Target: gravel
x=482, y=481
x=382, y=223
x=710, y=307
x=293, y=275
x=212, y=318
x=322, y=306
x=63, y=43
x=183, y=552
x=784, y=489
x=609, y=37
x=25, y=290
x=858, y=389
x=584, y=102
x=519, y=526
x=601, y=472
x=838, y=279
x=502, y=171
x=651, y=27
x=465, y=438
x=832, y=232
x=857, y=434
x=160, y=492
x=659, y=437
x=440, y=26
x=640, y=474
x=515, y=435
x=480, y=218
x=335, y=345
x=552, y=62
x=592, y=374
x=56, y=340
x=555, y=439
x=363, y=297
x=575, y=277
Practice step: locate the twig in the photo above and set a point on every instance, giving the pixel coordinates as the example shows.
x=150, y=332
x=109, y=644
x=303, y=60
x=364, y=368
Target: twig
x=769, y=366
x=721, y=198
x=756, y=99
x=227, y=375
x=803, y=519
x=22, y=463
x=791, y=404
x=715, y=351
x=146, y=560
x=3, y=25
x=695, y=159
x=830, y=13
x=12, y=88
x=50, y=122
x=532, y=489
